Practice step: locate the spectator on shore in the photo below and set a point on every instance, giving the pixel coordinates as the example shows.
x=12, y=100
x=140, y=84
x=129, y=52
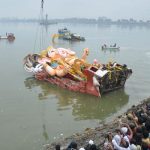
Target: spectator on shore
x=57, y=147
x=93, y=147
x=147, y=125
x=88, y=146
x=133, y=147
x=116, y=141
x=108, y=142
x=72, y=145
x=138, y=138
x=124, y=145
x=144, y=146
x=133, y=128
x=146, y=138
x=108, y=146
x=81, y=148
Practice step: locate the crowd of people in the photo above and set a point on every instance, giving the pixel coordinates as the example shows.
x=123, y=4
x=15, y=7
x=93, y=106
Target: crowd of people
x=74, y=146
x=133, y=133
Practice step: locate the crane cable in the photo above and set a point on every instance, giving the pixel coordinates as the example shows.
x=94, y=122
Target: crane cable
x=40, y=30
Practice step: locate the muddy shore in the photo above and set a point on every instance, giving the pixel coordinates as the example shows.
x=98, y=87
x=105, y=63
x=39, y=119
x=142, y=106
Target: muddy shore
x=96, y=134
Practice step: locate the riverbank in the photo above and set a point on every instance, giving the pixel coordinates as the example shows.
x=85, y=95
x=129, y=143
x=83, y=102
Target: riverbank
x=97, y=134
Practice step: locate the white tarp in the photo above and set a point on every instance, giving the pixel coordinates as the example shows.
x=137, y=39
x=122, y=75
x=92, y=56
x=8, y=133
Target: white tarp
x=101, y=73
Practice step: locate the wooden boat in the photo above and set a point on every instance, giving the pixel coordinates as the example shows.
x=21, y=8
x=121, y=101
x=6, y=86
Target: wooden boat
x=63, y=68
x=9, y=36
x=110, y=48
x=114, y=47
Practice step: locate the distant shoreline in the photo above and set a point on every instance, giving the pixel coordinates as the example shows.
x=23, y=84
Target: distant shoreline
x=99, y=21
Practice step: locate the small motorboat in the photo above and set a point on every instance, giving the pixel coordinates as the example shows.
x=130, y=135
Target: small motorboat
x=8, y=36
x=111, y=47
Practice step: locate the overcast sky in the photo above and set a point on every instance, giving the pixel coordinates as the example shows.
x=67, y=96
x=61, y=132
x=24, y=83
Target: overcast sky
x=114, y=9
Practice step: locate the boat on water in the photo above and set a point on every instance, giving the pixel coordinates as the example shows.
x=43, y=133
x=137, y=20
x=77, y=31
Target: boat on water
x=76, y=36
x=66, y=34
x=8, y=36
x=61, y=67
x=111, y=47
x=63, y=31
x=73, y=37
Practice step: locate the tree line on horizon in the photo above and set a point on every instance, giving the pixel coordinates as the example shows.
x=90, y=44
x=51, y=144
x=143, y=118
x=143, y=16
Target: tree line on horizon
x=100, y=20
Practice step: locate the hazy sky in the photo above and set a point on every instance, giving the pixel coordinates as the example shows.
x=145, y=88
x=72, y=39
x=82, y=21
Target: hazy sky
x=114, y=9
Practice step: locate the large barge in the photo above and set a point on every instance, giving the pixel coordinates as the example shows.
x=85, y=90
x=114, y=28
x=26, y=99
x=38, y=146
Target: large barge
x=63, y=68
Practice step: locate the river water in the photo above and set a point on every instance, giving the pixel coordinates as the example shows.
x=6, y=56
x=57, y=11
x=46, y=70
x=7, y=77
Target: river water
x=33, y=113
